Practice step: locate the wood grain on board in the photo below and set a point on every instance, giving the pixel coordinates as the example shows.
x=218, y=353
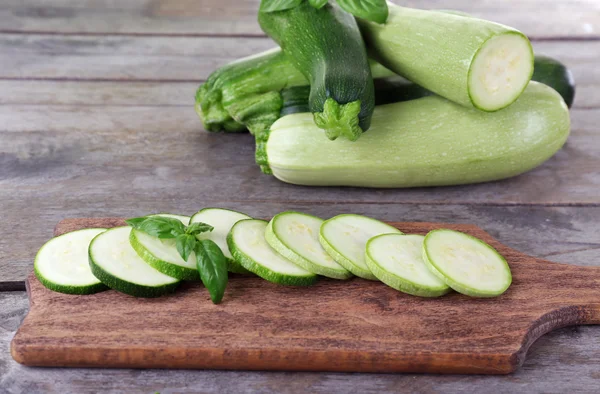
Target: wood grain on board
x=350, y=326
x=578, y=18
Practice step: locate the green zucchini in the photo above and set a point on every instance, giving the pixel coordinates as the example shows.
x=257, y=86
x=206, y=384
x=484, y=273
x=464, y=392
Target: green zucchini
x=116, y=264
x=470, y=61
x=556, y=75
x=325, y=45
x=62, y=263
x=425, y=142
x=397, y=261
x=466, y=264
x=249, y=248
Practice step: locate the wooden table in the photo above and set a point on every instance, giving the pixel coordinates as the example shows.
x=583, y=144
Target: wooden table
x=97, y=119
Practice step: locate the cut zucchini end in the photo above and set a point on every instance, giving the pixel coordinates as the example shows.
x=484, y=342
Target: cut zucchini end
x=167, y=268
x=318, y=260
x=61, y=264
x=396, y=260
x=247, y=252
x=467, y=264
x=339, y=120
x=500, y=71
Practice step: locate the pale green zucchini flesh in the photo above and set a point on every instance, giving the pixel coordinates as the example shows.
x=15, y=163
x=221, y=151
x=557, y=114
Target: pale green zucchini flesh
x=249, y=248
x=295, y=236
x=466, y=264
x=114, y=262
x=345, y=237
x=470, y=61
x=222, y=220
x=62, y=263
x=397, y=261
x=426, y=142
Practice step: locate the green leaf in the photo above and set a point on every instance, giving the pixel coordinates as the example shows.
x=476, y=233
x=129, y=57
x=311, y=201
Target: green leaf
x=185, y=244
x=158, y=226
x=212, y=266
x=198, y=227
x=373, y=10
x=278, y=5
x=317, y=3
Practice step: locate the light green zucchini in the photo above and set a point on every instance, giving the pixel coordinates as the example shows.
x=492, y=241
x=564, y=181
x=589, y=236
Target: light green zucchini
x=470, y=61
x=425, y=142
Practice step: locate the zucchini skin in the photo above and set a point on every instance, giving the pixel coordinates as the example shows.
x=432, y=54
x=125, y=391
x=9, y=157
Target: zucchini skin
x=326, y=46
x=553, y=73
x=425, y=142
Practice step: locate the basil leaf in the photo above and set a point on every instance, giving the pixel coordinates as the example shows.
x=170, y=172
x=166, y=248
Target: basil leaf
x=198, y=227
x=185, y=244
x=158, y=226
x=278, y=5
x=133, y=222
x=317, y=3
x=212, y=266
x=373, y=10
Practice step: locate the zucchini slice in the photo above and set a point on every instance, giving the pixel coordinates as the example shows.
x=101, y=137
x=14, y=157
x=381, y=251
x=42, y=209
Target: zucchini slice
x=222, y=220
x=345, y=237
x=467, y=264
x=295, y=236
x=397, y=261
x=114, y=262
x=162, y=253
x=62, y=263
x=249, y=248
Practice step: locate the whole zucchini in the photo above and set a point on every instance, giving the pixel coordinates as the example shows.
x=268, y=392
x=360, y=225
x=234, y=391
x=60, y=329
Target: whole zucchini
x=471, y=61
x=325, y=45
x=555, y=74
x=425, y=142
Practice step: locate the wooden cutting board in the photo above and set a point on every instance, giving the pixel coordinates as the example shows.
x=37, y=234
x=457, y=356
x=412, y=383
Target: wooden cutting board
x=352, y=326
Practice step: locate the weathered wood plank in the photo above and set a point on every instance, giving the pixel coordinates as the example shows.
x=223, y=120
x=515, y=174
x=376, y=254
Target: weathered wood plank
x=189, y=59
x=562, y=234
x=565, y=360
x=578, y=18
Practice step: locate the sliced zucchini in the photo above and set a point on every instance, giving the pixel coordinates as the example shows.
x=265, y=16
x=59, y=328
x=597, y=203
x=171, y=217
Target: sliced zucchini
x=114, y=262
x=467, y=264
x=62, y=263
x=162, y=253
x=222, y=220
x=397, y=261
x=249, y=248
x=345, y=237
x=295, y=236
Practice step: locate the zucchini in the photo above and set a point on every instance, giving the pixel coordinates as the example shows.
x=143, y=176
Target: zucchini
x=556, y=75
x=222, y=220
x=325, y=45
x=425, y=142
x=62, y=263
x=295, y=236
x=249, y=248
x=471, y=61
x=397, y=261
x=114, y=262
x=162, y=254
x=345, y=237
x=467, y=264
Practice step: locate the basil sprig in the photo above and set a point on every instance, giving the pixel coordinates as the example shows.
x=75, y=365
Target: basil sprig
x=212, y=264
x=372, y=10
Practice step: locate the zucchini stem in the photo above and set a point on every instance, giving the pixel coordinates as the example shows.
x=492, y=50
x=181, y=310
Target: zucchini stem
x=339, y=119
